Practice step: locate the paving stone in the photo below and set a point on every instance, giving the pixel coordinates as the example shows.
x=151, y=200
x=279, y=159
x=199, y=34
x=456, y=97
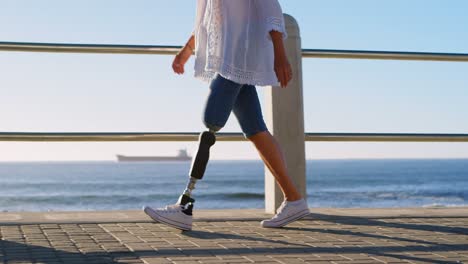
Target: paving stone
x=156, y=260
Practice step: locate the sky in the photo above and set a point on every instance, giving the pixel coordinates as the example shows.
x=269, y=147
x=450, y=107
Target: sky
x=47, y=92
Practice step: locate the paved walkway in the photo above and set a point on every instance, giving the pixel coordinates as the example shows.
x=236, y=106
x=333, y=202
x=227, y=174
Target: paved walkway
x=234, y=236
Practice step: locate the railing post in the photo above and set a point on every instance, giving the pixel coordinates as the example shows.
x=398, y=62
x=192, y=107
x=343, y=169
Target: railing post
x=285, y=120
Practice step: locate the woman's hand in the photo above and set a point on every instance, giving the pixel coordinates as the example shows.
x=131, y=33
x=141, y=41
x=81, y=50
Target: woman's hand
x=182, y=57
x=282, y=67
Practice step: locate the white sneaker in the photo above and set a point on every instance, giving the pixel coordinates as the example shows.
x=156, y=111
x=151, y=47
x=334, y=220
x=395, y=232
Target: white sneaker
x=172, y=215
x=288, y=212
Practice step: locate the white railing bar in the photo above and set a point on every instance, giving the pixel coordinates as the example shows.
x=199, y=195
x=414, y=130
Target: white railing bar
x=170, y=50
x=192, y=136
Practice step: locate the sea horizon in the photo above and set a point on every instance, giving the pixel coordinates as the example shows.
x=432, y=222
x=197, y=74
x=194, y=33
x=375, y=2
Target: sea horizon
x=246, y=160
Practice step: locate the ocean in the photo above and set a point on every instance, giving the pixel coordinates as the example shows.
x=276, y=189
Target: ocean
x=379, y=183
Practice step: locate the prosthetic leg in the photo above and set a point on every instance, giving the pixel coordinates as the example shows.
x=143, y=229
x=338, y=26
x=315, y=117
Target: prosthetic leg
x=197, y=170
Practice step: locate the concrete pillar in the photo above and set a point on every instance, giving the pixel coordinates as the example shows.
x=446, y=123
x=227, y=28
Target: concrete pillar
x=285, y=120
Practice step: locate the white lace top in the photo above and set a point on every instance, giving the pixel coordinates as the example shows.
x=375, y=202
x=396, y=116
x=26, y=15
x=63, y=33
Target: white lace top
x=232, y=38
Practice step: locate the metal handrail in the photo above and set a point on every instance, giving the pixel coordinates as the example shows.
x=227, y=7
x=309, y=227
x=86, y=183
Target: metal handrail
x=88, y=48
x=386, y=137
x=384, y=55
x=113, y=136
x=169, y=50
x=191, y=136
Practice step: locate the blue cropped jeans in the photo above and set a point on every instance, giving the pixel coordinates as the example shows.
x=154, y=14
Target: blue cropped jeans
x=242, y=99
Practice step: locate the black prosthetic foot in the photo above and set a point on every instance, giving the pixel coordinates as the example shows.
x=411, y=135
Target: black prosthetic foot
x=187, y=202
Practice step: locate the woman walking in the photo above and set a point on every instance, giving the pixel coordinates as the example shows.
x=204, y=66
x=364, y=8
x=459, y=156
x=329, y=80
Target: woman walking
x=238, y=45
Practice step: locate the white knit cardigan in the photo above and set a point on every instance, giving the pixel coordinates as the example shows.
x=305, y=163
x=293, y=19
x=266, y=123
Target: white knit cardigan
x=232, y=39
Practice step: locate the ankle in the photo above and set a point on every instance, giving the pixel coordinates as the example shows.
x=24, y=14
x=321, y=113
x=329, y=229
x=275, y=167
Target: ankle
x=293, y=198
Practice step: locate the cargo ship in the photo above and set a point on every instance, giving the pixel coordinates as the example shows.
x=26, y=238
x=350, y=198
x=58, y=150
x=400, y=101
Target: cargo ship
x=181, y=156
